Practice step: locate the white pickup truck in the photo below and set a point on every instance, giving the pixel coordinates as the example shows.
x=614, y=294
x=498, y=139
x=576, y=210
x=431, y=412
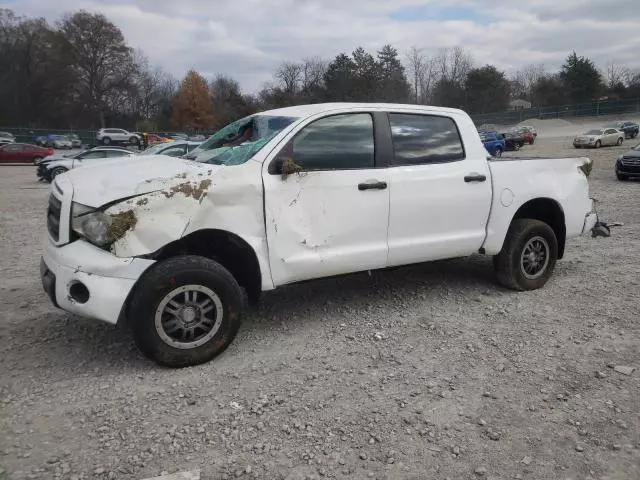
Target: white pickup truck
x=295, y=194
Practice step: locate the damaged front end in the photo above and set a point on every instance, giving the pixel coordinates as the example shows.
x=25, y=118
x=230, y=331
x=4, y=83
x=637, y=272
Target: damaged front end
x=139, y=223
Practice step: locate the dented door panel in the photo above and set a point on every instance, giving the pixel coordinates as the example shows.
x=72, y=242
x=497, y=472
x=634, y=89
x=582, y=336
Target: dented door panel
x=320, y=224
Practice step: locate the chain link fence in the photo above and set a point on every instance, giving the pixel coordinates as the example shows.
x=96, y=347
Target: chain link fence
x=29, y=135
x=589, y=109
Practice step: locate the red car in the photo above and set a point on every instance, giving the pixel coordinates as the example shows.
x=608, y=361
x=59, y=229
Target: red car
x=23, y=153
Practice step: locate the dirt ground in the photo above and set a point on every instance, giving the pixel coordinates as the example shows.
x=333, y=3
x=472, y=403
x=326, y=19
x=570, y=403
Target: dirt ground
x=423, y=372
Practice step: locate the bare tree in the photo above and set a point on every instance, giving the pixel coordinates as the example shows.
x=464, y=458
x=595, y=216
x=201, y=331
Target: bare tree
x=525, y=80
x=453, y=64
x=416, y=66
x=289, y=75
x=428, y=80
x=312, y=74
x=616, y=75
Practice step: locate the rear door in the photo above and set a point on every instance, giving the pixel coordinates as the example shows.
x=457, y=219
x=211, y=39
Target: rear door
x=611, y=136
x=440, y=191
x=329, y=214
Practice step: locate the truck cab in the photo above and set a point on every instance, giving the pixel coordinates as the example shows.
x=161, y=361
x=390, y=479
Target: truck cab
x=173, y=245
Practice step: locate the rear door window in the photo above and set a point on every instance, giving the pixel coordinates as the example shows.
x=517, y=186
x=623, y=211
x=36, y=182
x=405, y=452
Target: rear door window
x=424, y=139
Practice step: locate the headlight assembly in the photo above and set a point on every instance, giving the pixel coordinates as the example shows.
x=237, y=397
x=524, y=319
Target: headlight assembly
x=98, y=227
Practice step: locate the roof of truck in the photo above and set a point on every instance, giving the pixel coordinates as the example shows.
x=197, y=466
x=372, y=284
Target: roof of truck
x=313, y=109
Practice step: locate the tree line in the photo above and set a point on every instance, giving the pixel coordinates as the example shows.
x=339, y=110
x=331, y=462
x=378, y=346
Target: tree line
x=81, y=73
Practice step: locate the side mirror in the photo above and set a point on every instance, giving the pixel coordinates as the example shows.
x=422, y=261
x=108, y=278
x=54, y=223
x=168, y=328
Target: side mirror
x=275, y=168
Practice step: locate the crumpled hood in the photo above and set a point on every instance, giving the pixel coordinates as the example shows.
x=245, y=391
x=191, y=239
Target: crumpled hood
x=98, y=185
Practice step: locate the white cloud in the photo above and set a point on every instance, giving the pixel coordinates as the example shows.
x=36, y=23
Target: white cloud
x=247, y=39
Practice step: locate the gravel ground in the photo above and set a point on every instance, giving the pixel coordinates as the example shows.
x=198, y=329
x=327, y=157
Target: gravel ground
x=429, y=371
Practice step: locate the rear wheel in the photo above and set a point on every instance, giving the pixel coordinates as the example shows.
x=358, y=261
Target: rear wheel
x=185, y=311
x=36, y=160
x=106, y=141
x=516, y=147
x=134, y=140
x=498, y=153
x=619, y=141
x=532, y=140
x=528, y=256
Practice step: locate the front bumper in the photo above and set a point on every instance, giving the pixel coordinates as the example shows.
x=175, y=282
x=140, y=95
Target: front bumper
x=627, y=168
x=107, y=278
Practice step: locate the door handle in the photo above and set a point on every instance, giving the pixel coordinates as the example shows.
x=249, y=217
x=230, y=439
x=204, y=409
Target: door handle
x=475, y=177
x=372, y=185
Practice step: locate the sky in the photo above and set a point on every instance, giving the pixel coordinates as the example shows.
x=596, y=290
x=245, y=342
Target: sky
x=248, y=39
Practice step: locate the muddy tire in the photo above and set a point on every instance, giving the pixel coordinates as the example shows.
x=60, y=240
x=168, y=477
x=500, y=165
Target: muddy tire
x=528, y=256
x=185, y=311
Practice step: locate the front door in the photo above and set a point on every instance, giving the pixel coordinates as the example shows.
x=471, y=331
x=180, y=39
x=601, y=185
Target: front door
x=440, y=193
x=326, y=203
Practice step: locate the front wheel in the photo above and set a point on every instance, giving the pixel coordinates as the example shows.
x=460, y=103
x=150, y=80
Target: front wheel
x=57, y=171
x=598, y=144
x=622, y=177
x=528, y=256
x=185, y=311
x=620, y=139
x=134, y=140
x=498, y=153
x=106, y=141
x=36, y=160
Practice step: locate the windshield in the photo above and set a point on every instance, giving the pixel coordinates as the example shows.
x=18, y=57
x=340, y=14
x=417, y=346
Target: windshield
x=239, y=141
x=594, y=132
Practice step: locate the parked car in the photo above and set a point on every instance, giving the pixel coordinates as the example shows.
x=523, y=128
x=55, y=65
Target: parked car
x=630, y=129
x=107, y=136
x=175, y=136
x=56, y=141
x=50, y=168
x=513, y=141
x=23, y=153
x=599, y=137
x=75, y=140
x=529, y=133
x=173, y=149
x=628, y=164
x=494, y=144
x=6, y=137
x=170, y=245
x=62, y=142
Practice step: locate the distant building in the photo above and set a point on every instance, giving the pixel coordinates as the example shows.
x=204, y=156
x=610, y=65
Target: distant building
x=519, y=104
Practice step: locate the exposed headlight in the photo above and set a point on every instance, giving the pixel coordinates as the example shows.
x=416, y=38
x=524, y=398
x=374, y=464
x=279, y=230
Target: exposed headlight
x=99, y=227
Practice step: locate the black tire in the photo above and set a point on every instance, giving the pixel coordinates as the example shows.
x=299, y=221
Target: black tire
x=516, y=147
x=622, y=177
x=57, y=171
x=598, y=144
x=161, y=283
x=508, y=263
x=36, y=160
x=532, y=140
x=576, y=146
x=134, y=140
x=620, y=140
x=498, y=153
x=106, y=141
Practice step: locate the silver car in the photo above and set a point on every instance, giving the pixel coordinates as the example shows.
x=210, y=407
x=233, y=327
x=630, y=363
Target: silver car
x=599, y=137
x=108, y=136
x=61, y=142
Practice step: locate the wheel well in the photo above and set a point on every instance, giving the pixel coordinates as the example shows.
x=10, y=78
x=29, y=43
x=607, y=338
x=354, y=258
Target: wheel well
x=549, y=212
x=226, y=248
